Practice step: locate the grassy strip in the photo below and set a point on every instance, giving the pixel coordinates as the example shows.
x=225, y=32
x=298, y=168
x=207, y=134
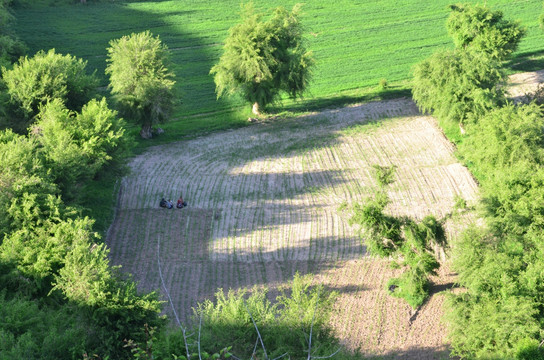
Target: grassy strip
x=355, y=46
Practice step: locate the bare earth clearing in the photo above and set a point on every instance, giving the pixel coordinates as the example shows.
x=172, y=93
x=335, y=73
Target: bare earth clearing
x=263, y=204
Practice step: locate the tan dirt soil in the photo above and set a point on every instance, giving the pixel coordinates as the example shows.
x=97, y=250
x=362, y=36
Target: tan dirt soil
x=263, y=204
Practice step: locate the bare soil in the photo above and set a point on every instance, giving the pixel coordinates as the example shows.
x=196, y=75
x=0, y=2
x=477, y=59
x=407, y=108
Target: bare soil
x=263, y=204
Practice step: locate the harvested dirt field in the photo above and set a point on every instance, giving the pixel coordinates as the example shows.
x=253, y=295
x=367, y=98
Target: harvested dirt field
x=263, y=204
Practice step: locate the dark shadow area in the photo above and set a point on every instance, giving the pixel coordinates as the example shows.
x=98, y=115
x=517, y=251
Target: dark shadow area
x=85, y=30
x=341, y=100
x=527, y=61
x=415, y=353
x=435, y=289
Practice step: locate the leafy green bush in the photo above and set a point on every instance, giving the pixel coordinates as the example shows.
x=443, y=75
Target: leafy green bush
x=412, y=286
x=32, y=330
x=458, y=86
x=47, y=76
x=384, y=175
x=284, y=326
x=478, y=28
x=76, y=146
x=11, y=48
x=382, y=233
x=409, y=241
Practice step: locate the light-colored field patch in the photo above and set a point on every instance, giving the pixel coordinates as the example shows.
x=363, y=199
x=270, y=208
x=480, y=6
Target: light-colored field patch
x=263, y=204
x=524, y=83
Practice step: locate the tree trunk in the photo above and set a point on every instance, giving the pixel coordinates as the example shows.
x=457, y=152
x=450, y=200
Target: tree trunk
x=462, y=129
x=145, y=133
x=255, y=109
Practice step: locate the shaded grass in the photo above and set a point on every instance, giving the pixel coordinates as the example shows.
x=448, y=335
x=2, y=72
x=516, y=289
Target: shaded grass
x=355, y=45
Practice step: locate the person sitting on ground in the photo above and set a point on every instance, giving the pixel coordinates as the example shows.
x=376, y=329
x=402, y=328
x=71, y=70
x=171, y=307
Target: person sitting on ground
x=181, y=203
x=170, y=204
x=162, y=203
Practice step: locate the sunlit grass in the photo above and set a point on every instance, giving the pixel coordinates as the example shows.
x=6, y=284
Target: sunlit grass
x=356, y=44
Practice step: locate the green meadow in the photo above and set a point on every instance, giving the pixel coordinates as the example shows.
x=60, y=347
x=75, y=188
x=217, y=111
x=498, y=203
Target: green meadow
x=355, y=43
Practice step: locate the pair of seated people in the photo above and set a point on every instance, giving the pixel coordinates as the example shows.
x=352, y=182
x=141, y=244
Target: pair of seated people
x=169, y=204
x=180, y=204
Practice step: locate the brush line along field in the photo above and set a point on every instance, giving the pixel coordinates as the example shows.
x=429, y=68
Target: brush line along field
x=264, y=203
x=355, y=43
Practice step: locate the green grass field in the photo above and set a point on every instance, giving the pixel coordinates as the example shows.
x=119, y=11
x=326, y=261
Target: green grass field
x=356, y=43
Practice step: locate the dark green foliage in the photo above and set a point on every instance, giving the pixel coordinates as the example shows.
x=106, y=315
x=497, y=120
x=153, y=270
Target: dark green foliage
x=48, y=253
x=478, y=28
x=30, y=330
x=47, y=76
x=458, y=86
x=529, y=349
x=412, y=286
x=409, y=241
x=264, y=57
x=140, y=79
x=11, y=48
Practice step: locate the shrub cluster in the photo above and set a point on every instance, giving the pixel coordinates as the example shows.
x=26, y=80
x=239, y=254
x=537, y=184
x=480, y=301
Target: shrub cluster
x=253, y=327
x=60, y=297
x=500, y=264
x=460, y=85
x=405, y=239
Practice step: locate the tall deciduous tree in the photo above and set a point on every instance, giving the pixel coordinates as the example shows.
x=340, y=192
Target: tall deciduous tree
x=457, y=85
x=261, y=58
x=34, y=81
x=482, y=29
x=140, y=79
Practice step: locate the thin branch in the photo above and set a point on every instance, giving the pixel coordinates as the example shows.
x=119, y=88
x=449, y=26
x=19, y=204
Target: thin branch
x=279, y=357
x=326, y=357
x=312, y=325
x=255, y=347
x=199, y=328
x=183, y=331
x=257, y=329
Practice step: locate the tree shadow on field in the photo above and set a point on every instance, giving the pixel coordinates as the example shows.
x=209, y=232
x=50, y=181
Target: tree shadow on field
x=86, y=30
x=414, y=353
x=527, y=61
x=340, y=100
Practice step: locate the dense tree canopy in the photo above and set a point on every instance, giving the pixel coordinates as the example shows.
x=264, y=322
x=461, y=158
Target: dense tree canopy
x=44, y=77
x=76, y=146
x=262, y=58
x=478, y=28
x=458, y=86
x=140, y=79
